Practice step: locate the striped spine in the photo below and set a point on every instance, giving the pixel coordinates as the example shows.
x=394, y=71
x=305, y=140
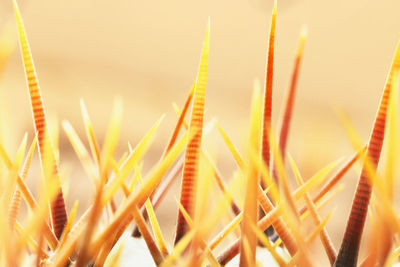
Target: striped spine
x=348, y=253
x=193, y=149
x=58, y=212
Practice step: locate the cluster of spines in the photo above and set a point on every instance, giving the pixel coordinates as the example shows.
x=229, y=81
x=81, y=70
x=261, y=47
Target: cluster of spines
x=83, y=243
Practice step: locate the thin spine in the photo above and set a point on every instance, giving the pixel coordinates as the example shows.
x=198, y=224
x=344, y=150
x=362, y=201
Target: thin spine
x=321, y=202
x=337, y=177
x=39, y=255
x=109, y=147
x=267, y=244
x=235, y=186
x=265, y=203
x=221, y=185
x=31, y=242
x=38, y=219
x=154, y=224
x=232, y=148
x=94, y=146
x=283, y=180
x=58, y=212
x=286, y=116
x=266, y=126
x=190, y=168
x=248, y=241
x=80, y=150
x=180, y=121
x=248, y=237
x=16, y=201
x=156, y=229
x=178, y=249
x=286, y=233
x=168, y=181
x=226, y=231
x=217, y=175
x=311, y=237
x=159, y=193
x=325, y=239
x=69, y=224
x=27, y=195
x=95, y=212
x=206, y=226
x=291, y=215
x=262, y=224
x=348, y=253
x=163, y=189
x=272, y=215
x=138, y=199
x=291, y=94
x=10, y=253
x=230, y=252
x=150, y=242
x=279, y=225
x=130, y=163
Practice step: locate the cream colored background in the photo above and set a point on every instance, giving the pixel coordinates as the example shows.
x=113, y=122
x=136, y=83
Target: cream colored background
x=147, y=52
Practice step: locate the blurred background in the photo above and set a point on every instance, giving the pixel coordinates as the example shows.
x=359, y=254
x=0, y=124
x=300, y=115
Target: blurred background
x=147, y=52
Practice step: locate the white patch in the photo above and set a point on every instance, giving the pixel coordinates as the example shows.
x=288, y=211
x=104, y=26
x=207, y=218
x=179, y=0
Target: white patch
x=262, y=255
x=134, y=252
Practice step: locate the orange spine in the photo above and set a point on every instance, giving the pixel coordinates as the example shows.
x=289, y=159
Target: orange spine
x=266, y=127
x=193, y=149
x=58, y=212
x=348, y=253
x=289, y=103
